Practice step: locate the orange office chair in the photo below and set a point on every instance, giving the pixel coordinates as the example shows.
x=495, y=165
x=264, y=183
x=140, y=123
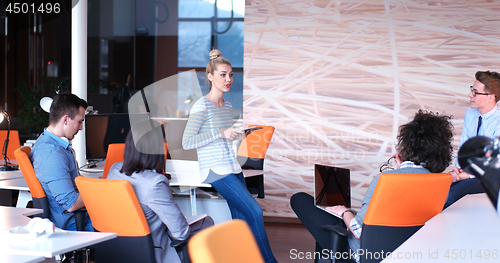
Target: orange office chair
x=38, y=194
x=115, y=155
x=36, y=189
x=227, y=242
x=113, y=207
x=400, y=206
x=251, y=156
x=14, y=143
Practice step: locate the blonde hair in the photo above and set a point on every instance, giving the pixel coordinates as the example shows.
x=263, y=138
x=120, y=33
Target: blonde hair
x=215, y=60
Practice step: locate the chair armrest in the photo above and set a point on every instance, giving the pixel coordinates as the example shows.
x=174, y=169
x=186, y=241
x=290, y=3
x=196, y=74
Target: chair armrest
x=335, y=229
x=338, y=237
x=83, y=209
x=79, y=218
x=181, y=248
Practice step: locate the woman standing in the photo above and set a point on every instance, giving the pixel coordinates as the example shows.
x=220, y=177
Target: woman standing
x=209, y=130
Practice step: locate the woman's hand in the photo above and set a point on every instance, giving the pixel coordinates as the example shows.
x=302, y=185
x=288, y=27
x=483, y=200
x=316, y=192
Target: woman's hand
x=231, y=133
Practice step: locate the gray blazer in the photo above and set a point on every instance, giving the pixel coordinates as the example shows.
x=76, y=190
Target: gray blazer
x=162, y=213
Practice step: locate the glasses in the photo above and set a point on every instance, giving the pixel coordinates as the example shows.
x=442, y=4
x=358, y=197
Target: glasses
x=474, y=92
x=389, y=165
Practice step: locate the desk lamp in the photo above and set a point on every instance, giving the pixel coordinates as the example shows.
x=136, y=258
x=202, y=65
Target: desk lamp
x=46, y=102
x=6, y=167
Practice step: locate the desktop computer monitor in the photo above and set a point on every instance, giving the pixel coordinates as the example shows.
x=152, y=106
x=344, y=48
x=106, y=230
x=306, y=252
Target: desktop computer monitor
x=103, y=129
x=174, y=130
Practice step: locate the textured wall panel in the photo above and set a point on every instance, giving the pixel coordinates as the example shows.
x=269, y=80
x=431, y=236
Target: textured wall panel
x=337, y=78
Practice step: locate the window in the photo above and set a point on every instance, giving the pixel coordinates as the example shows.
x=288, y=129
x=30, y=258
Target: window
x=207, y=24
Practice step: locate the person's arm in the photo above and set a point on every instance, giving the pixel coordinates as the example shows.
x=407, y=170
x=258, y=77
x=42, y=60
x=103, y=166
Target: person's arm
x=53, y=169
x=160, y=200
x=464, y=136
x=77, y=205
x=349, y=218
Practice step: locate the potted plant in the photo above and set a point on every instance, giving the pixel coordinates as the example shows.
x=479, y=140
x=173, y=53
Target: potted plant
x=33, y=118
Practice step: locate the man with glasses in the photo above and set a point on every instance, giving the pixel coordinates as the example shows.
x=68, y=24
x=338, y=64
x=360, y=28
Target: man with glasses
x=481, y=119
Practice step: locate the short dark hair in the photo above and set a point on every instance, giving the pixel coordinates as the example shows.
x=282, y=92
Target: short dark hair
x=65, y=104
x=146, y=158
x=427, y=139
x=491, y=81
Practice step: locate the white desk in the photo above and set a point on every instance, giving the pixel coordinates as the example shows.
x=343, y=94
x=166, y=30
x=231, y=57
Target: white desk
x=56, y=244
x=21, y=248
x=11, y=217
x=14, y=180
x=15, y=216
x=186, y=175
x=20, y=258
x=14, y=184
x=6, y=175
x=17, y=183
x=466, y=230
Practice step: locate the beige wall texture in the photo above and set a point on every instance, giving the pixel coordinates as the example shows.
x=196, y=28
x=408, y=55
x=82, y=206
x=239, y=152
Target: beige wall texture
x=337, y=78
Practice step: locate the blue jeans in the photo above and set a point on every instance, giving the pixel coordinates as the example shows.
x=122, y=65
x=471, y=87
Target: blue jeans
x=461, y=188
x=243, y=206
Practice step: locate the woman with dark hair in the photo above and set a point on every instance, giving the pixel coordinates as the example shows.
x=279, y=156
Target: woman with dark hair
x=424, y=146
x=144, y=168
x=210, y=131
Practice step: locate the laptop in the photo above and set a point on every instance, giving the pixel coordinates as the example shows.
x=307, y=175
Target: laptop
x=332, y=186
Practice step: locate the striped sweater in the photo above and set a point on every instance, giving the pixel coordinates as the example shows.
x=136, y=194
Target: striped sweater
x=202, y=133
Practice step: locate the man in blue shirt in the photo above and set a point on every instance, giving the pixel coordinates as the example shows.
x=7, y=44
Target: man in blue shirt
x=481, y=119
x=54, y=161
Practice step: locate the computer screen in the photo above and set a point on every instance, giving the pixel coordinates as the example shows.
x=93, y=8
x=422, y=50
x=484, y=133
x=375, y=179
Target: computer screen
x=332, y=186
x=174, y=130
x=103, y=129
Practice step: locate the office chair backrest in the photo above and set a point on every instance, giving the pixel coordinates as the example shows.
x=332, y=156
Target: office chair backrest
x=227, y=242
x=115, y=155
x=251, y=156
x=36, y=189
x=400, y=205
x=113, y=207
x=256, y=143
x=14, y=143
